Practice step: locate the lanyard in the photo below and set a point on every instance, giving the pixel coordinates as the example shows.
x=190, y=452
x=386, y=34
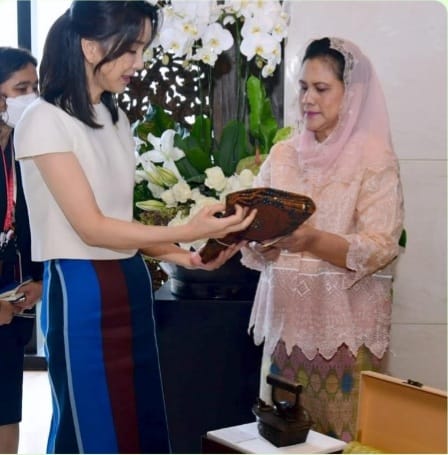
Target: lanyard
x=11, y=189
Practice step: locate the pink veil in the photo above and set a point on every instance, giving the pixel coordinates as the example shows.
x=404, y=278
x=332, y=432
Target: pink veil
x=363, y=113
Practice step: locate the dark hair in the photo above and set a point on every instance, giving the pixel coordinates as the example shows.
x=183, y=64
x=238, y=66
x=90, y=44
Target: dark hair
x=13, y=59
x=320, y=48
x=115, y=24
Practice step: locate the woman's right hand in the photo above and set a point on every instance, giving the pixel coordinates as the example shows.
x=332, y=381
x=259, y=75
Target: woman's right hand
x=206, y=225
x=6, y=312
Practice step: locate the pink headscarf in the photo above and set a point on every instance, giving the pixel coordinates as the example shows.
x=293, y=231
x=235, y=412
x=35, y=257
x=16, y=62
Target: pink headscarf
x=363, y=115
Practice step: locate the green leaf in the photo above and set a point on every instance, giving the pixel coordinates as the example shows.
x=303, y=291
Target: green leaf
x=282, y=134
x=232, y=147
x=202, y=131
x=255, y=95
x=253, y=163
x=141, y=193
x=189, y=172
x=198, y=158
x=156, y=122
x=262, y=122
x=403, y=239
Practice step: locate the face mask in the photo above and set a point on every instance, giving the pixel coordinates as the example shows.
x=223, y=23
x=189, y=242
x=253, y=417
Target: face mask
x=15, y=107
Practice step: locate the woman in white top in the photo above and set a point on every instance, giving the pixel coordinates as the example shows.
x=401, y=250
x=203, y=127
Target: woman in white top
x=77, y=157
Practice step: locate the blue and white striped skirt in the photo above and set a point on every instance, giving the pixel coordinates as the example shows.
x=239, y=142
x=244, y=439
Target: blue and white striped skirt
x=101, y=347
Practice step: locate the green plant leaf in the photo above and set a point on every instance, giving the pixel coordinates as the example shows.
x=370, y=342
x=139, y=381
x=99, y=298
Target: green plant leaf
x=202, y=131
x=198, y=158
x=232, y=147
x=262, y=122
x=403, y=239
x=252, y=163
x=156, y=122
x=282, y=134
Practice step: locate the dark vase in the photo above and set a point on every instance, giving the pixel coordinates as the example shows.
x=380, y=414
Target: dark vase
x=231, y=281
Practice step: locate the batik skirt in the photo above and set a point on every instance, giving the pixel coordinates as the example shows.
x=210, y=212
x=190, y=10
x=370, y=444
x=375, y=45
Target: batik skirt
x=101, y=347
x=330, y=388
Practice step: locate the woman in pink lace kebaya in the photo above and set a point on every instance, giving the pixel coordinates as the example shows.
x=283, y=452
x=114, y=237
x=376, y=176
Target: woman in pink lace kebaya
x=323, y=302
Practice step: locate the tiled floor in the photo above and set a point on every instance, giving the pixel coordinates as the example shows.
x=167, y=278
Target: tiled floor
x=36, y=413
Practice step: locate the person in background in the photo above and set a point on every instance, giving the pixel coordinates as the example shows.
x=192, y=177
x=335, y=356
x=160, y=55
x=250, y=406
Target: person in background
x=18, y=88
x=77, y=157
x=323, y=302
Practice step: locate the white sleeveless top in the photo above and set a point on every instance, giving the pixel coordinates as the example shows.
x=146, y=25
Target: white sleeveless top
x=107, y=158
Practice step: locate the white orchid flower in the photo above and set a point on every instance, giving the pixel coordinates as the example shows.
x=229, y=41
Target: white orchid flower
x=257, y=25
x=175, y=41
x=215, y=40
x=261, y=44
x=206, y=55
x=268, y=70
x=280, y=29
x=271, y=8
x=217, y=37
x=232, y=6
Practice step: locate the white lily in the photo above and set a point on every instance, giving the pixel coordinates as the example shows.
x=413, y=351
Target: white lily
x=165, y=152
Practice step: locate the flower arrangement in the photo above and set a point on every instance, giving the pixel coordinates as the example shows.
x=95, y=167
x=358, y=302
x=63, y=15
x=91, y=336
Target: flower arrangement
x=185, y=157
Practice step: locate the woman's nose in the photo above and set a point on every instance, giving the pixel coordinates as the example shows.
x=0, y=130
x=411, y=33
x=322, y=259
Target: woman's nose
x=139, y=62
x=307, y=97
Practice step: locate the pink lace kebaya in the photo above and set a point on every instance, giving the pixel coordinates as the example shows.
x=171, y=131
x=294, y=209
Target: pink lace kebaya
x=303, y=301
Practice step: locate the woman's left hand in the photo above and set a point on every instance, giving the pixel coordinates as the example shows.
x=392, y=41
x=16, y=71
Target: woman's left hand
x=222, y=258
x=32, y=292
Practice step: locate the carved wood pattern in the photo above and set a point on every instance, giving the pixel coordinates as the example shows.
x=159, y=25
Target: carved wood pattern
x=154, y=85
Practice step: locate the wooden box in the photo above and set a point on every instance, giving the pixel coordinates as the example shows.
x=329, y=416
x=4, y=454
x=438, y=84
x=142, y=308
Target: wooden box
x=401, y=416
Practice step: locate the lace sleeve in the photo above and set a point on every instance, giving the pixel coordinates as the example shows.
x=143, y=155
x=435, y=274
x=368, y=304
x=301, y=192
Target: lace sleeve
x=378, y=224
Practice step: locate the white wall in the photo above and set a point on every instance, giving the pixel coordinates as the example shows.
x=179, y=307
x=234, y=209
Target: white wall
x=406, y=41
